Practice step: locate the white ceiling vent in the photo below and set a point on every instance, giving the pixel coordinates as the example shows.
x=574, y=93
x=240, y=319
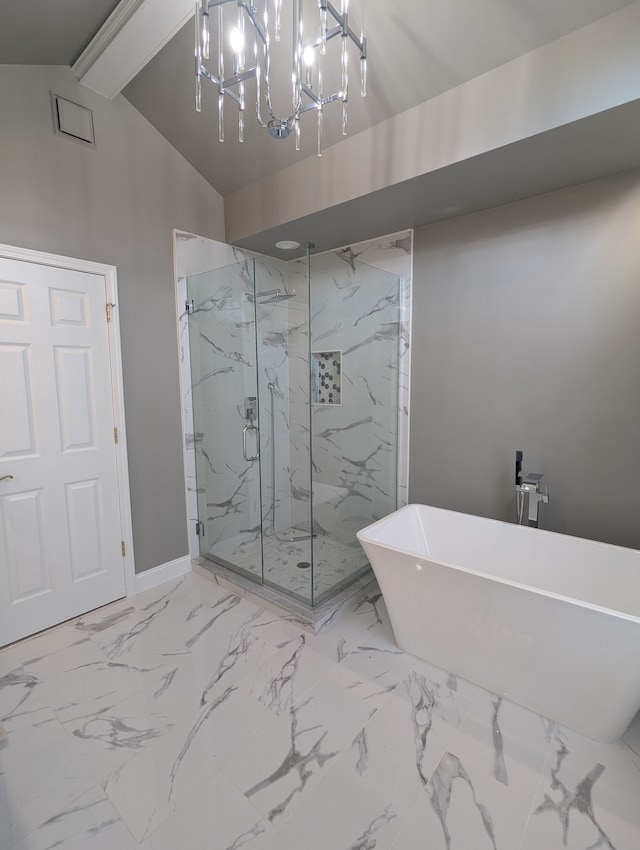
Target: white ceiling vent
x=71, y=119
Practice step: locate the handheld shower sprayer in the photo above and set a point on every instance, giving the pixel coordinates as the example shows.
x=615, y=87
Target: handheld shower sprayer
x=519, y=493
x=518, y=467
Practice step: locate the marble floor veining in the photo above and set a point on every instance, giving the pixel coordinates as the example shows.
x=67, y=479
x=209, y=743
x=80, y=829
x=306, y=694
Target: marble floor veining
x=189, y=717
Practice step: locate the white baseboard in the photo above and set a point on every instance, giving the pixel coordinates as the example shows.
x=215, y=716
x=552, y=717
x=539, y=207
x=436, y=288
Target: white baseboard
x=162, y=573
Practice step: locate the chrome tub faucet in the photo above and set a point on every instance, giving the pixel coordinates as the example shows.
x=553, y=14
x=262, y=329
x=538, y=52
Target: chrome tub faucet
x=529, y=488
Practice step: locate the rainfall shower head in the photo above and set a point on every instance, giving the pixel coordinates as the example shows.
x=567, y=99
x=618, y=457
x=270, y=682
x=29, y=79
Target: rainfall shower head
x=276, y=296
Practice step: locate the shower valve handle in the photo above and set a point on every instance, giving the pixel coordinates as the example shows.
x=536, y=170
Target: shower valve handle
x=245, y=431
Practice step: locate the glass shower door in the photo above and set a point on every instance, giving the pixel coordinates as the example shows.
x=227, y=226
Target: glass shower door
x=222, y=341
x=282, y=321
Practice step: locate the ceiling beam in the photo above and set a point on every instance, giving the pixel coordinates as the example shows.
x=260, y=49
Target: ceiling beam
x=130, y=37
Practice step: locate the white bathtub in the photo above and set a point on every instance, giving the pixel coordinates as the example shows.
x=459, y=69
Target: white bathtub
x=548, y=621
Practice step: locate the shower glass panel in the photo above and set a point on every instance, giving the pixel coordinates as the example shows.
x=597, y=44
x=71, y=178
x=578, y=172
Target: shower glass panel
x=282, y=325
x=354, y=375
x=222, y=342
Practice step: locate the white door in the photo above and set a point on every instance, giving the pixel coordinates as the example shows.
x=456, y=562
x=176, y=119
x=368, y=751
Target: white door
x=60, y=529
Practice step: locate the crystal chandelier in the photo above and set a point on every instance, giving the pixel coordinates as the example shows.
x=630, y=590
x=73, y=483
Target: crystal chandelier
x=255, y=24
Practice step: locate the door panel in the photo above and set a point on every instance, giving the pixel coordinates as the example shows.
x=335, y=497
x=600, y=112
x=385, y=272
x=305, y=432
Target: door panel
x=60, y=529
x=84, y=512
x=12, y=301
x=68, y=307
x=27, y=562
x=18, y=433
x=76, y=392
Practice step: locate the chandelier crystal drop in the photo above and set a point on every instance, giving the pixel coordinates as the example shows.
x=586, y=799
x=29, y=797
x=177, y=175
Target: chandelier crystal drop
x=240, y=34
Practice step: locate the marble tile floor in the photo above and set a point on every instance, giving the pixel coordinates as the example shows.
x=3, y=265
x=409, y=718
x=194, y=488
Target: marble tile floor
x=189, y=717
x=333, y=562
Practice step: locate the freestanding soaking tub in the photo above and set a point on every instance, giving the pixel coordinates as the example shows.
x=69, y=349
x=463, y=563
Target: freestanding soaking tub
x=548, y=621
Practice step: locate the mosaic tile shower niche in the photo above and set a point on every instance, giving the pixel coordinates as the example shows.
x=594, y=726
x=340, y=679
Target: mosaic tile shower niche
x=326, y=377
x=322, y=344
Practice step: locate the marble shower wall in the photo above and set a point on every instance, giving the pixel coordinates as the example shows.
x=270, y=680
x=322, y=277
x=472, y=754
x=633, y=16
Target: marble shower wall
x=360, y=320
x=299, y=406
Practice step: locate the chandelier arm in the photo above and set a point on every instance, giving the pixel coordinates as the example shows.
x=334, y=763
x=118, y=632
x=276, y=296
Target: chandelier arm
x=333, y=11
x=223, y=85
x=313, y=97
x=239, y=78
x=317, y=100
x=344, y=28
x=359, y=42
x=332, y=33
x=207, y=73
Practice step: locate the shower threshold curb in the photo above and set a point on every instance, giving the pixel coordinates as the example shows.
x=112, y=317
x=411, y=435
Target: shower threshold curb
x=315, y=619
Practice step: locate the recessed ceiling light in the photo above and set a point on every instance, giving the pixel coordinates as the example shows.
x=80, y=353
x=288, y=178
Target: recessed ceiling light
x=287, y=245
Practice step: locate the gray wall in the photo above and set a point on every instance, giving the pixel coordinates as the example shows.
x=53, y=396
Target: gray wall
x=115, y=204
x=590, y=71
x=527, y=336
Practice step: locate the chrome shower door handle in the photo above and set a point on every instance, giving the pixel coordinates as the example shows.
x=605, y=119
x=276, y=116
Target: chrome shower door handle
x=245, y=431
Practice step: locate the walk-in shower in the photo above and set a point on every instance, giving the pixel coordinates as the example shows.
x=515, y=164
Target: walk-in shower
x=295, y=387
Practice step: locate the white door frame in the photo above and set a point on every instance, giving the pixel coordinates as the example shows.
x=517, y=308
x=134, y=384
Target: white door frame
x=115, y=356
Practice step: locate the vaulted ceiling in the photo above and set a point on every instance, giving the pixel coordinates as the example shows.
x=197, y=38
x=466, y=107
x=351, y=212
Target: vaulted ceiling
x=41, y=32
x=417, y=50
